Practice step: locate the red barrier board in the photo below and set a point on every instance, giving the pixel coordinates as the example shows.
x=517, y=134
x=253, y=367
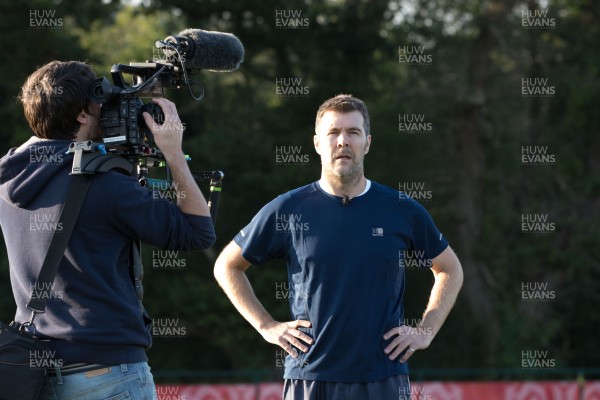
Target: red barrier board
x=495, y=391
x=555, y=390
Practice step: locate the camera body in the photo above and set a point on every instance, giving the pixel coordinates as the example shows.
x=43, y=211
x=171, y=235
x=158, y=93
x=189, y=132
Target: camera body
x=122, y=108
x=121, y=116
x=123, y=122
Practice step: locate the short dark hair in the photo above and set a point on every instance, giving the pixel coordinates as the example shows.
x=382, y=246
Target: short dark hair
x=345, y=103
x=54, y=95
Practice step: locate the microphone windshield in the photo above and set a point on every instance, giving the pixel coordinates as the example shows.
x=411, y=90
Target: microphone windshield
x=214, y=51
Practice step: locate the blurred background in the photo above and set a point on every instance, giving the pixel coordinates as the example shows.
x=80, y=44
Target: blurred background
x=487, y=110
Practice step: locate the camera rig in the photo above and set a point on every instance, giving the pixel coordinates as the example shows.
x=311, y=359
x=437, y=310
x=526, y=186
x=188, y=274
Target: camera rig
x=91, y=157
x=128, y=145
x=121, y=117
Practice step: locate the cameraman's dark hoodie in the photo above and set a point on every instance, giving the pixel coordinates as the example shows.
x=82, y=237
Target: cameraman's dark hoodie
x=92, y=312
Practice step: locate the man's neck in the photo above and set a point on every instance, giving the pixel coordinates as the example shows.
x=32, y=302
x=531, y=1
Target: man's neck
x=339, y=188
x=82, y=134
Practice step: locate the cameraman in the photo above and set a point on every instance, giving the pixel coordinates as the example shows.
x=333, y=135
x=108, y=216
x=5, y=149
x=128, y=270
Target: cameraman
x=93, y=320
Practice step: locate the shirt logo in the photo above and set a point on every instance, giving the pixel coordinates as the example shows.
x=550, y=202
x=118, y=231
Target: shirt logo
x=377, y=232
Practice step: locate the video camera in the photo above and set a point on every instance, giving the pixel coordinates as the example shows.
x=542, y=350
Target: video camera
x=128, y=142
x=125, y=131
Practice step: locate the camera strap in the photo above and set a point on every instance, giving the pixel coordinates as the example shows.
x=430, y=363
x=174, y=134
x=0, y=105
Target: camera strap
x=68, y=216
x=137, y=271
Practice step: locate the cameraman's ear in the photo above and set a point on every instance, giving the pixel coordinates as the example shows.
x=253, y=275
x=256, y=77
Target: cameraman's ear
x=83, y=118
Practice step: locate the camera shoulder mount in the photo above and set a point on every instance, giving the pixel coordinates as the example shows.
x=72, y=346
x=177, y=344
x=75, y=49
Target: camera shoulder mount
x=91, y=157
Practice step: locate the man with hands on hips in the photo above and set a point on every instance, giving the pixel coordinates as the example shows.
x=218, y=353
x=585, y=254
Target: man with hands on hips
x=343, y=238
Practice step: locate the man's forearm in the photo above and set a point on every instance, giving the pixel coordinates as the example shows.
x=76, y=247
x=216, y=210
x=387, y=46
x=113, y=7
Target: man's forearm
x=230, y=273
x=236, y=286
x=443, y=296
x=447, y=284
x=190, y=199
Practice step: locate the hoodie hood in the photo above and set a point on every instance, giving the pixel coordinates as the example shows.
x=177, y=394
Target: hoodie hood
x=25, y=170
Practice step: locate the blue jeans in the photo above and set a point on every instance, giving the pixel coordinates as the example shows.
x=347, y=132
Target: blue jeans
x=125, y=381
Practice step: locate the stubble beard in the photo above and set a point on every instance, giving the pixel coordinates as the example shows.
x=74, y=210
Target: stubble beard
x=96, y=131
x=344, y=181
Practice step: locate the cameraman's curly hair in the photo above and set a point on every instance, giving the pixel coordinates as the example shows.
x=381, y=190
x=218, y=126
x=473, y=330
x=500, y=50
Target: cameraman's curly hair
x=54, y=95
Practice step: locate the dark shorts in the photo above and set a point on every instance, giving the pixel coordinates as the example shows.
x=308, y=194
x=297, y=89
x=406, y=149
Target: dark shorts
x=393, y=388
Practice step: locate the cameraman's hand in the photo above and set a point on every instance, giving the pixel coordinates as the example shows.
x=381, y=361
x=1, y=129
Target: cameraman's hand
x=169, y=134
x=167, y=137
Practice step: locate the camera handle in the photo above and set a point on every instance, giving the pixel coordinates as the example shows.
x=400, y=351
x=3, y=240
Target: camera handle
x=216, y=186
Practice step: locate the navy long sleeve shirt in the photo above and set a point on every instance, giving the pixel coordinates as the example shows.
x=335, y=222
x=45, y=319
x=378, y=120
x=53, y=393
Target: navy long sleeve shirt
x=92, y=312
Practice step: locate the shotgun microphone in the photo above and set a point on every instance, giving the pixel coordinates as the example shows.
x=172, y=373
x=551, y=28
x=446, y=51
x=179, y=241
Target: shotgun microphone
x=207, y=50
